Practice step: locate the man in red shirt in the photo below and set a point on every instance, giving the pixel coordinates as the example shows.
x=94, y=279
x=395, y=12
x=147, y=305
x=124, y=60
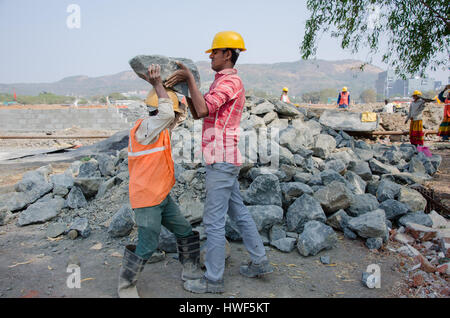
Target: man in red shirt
x=221, y=109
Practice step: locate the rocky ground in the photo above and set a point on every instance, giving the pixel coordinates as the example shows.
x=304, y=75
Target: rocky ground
x=331, y=195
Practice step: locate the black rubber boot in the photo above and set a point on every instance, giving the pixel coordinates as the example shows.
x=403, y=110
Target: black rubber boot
x=132, y=266
x=189, y=256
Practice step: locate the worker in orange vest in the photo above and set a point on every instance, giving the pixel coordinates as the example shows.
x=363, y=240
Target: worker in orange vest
x=151, y=171
x=343, y=98
x=284, y=96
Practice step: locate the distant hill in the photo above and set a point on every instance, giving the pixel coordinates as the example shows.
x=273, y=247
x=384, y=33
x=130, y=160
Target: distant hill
x=299, y=77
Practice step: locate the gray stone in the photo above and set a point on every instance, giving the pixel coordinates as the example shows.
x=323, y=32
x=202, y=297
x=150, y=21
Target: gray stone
x=329, y=176
x=5, y=216
x=338, y=220
x=393, y=156
x=371, y=224
x=263, y=108
x=105, y=165
x=361, y=168
x=362, y=145
x=81, y=225
x=63, y=180
x=380, y=168
x=141, y=63
x=187, y=176
x=372, y=187
x=55, y=230
x=374, y=243
x=304, y=152
x=333, y=197
x=325, y=260
x=41, y=212
x=89, y=169
x=293, y=190
x=264, y=190
x=324, y=145
x=359, y=185
x=413, y=199
x=393, y=209
x=336, y=165
x=266, y=216
x=362, y=203
x=387, y=190
x=122, y=222
x=285, y=109
x=429, y=167
x=60, y=190
x=416, y=217
x=89, y=186
x=167, y=241
x=190, y=207
x=286, y=244
x=75, y=199
x=347, y=121
x=34, y=185
x=315, y=238
x=276, y=232
x=106, y=186
x=364, y=154
x=316, y=180
x=302, y=177
x=416, y=166
x=270, y=117
x=304, y=209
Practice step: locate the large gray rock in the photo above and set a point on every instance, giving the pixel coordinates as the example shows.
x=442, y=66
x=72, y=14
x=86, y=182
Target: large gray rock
x=302, y=177
x=361, y=168
x=393, y=209
x=106, y=186
x=337, y=165
x=413, y=199
x=190, y=207
x=286, y=244
x=141, y=63
x=293, y=190
x=295, y=139
x=380, y=168
x=89, y=186
x=371, y=224
x=265, y=216
x=324, y=145
x=75, y=199
x=338, y=220
x=427, y=163
x=333, y=197
x=105, y=165
x=264, y=190
x=416, y=217
x=41, y=211
x=346, y=121
x=263, y=108
x=416, y=166
x=359, y=185
x=315, y=238
x=122, y=222
x=63, y=180
x=285, y=109
x=364, y=154
x=89, y=169
x=304, y=209
x=34, y=185
x=362, y=203
x=387, y=190
x=81, y=225
x=276, y=232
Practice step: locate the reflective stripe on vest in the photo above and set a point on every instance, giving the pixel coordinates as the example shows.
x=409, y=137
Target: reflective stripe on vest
x=344, y=98
x=151, y=169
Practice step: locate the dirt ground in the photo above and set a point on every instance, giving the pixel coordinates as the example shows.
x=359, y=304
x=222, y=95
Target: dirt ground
x=32, y=265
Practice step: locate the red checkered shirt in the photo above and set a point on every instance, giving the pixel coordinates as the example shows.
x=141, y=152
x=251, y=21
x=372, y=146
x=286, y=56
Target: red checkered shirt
x=220, y=135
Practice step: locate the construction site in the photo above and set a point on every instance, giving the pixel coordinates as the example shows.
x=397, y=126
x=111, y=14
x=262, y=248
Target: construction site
x=256, y=168
x=64, y=192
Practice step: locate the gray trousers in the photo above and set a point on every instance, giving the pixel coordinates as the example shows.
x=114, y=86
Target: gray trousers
x=222, y=197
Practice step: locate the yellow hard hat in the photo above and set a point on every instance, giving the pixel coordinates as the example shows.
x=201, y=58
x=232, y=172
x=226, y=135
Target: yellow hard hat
x=344, y=89
x=152, y=99
x=418, y=93
x=227, y=39
x=285, y=89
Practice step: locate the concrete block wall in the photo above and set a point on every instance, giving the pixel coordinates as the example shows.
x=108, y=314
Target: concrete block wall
x=22, y=120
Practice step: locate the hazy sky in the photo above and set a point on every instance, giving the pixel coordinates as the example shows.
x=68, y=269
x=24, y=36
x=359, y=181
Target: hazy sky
x=38, y=46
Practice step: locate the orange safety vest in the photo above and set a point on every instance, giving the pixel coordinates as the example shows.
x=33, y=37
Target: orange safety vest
x=447, y=108
x=344, y=98
x=151, y=169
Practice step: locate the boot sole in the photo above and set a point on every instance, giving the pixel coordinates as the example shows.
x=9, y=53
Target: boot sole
x=257, y=275
x=209, y=291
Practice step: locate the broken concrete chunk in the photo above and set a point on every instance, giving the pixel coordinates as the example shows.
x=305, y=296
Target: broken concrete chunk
x=264, y=190
x=75, y=199
x=371, y=224
x=81, y=225
x=315, y=238
x=416, y=217
x=40, y=212
x=413, y=199
x=304, y=209
x=122, y=222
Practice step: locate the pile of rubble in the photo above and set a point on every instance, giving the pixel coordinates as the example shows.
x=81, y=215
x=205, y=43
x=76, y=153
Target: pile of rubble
x=326, y=181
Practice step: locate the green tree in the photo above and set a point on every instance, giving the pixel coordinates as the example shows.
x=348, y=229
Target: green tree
x=368, y=96
x=417, y=32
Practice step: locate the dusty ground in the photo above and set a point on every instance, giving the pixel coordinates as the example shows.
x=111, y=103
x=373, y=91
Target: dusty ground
x=31, y=265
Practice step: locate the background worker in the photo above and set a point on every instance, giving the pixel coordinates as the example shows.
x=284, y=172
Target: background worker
x=343, y=98
x=284, y=96
x=444, y=128
x=151, y=171
x=416, y=135
x=221, y=109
